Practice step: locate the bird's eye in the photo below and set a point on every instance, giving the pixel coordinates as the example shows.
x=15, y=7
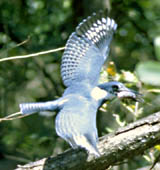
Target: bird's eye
x=115, y=88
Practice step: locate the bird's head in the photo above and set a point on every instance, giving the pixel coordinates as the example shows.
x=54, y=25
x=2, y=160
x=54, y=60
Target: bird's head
x=121, y=91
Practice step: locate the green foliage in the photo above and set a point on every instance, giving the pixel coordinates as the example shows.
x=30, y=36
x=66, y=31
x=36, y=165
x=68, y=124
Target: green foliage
x=157, y=47
x=149, y=72
x=47, y=25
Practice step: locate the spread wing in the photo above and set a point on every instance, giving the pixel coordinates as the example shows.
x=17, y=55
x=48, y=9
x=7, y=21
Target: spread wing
x=87, y=49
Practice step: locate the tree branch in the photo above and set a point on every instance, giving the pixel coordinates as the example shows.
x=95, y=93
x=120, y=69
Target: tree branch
x=31, y=55
x=125, y=143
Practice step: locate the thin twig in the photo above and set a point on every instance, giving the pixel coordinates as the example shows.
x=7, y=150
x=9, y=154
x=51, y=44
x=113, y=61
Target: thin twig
x=155, y=162
x=17, y=115
x=31, y=55
x=23, y=42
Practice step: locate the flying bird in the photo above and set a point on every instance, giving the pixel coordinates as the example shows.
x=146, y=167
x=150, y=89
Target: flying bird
x=85, y=53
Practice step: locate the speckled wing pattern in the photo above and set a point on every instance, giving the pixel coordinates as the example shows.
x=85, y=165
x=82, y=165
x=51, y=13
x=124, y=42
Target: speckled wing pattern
x=87, y=49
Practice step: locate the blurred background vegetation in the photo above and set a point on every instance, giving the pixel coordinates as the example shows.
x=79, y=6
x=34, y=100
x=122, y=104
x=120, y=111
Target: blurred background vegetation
x=46, y=25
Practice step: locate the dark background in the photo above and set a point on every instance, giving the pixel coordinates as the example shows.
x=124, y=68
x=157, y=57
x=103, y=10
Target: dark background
x=47, y=25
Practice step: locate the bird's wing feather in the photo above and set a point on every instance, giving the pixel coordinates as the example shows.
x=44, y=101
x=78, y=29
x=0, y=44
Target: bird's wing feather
x=87, y=49
x=78, y=126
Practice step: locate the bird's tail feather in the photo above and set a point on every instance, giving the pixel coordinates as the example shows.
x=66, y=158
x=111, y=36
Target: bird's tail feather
x=29, y=108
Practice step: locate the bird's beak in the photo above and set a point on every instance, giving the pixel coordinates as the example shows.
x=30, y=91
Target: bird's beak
x=129, y=93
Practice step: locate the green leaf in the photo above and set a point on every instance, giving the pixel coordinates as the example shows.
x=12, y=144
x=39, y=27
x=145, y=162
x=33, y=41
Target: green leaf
x=157, y=47
x=149, y=72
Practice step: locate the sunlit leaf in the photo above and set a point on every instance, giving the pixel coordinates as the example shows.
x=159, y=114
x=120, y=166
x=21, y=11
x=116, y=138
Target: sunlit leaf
x=149, y=72
x=157, y=147
x=154, y=90
x=111, y=69
x=157, y=47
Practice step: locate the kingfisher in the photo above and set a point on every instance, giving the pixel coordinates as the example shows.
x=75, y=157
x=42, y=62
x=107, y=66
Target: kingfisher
x=85, y=53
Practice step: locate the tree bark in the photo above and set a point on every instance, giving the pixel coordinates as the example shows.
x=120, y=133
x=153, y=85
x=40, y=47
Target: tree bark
x=125, y=143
